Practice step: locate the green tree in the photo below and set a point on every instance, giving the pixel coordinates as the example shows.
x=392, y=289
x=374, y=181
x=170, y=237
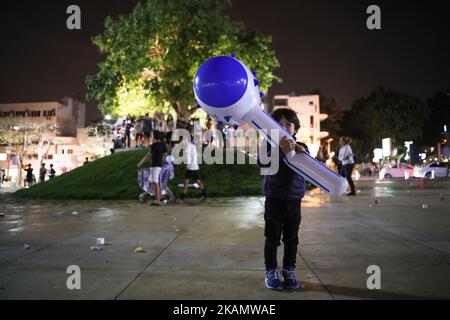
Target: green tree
x=153, y=53
x=385, y=113
x=439, y=107
x=333, y=123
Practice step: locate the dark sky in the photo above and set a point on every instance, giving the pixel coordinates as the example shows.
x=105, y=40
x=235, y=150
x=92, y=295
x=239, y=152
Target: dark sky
x=320, y=44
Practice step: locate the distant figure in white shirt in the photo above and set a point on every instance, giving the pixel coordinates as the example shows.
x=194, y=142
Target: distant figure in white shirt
x=192, y=169
x=347, y=162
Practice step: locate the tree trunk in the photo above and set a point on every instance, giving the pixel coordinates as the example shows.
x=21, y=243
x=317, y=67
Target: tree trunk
x=183, y=110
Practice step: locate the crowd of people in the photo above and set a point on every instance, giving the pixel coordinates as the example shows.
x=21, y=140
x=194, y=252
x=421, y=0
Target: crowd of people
x=142, y=131
x=30, y=178
x=158, y=154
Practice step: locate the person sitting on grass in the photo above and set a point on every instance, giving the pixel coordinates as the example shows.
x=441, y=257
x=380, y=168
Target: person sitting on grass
x=158, y=151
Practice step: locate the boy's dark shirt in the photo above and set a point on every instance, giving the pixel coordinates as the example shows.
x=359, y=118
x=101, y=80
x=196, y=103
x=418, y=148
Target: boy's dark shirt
x=157, y=150
x=285, y=184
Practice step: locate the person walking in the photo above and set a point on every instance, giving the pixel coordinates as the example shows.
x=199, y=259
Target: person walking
x=348, y=162
x=192, y=169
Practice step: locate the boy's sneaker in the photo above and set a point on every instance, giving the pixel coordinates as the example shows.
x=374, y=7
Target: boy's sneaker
x=289, y=279
x=273, y=279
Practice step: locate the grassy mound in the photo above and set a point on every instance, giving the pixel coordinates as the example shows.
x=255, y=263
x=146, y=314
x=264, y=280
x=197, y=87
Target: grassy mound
x=115, y=177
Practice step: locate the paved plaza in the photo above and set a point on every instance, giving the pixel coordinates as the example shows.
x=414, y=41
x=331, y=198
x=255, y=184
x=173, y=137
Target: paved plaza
x=214, y=249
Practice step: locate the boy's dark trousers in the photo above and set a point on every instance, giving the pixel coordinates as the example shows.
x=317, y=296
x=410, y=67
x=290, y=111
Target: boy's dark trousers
x=282, y=217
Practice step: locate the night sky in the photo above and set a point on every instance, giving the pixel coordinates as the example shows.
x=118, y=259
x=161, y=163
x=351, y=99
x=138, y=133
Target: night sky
x=320, y=44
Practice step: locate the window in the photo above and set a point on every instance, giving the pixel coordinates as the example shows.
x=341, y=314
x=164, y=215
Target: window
x=62, y=151
x=69, y=151
x=311, y=103
x=50, y=157
x=312, y=121
x=280, y=102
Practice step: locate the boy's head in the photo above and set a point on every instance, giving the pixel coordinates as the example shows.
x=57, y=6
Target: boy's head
x=288, y=119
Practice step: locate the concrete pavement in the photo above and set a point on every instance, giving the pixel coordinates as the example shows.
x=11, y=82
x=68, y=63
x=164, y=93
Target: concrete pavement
x=214, y=250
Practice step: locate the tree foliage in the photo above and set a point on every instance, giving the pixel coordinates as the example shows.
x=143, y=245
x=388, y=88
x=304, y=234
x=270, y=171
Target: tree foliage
x=333, y=123
x=385, y=113
x=152, y=55
x=439, y=106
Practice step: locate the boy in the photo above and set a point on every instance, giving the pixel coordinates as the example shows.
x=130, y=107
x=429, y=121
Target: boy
x=284, y=191
x=158, y=151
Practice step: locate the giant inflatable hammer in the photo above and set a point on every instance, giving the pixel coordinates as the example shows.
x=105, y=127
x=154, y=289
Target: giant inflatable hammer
x=228, y=91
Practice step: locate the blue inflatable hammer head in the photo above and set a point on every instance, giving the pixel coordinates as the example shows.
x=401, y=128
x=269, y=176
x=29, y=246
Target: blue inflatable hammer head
x=226, y=89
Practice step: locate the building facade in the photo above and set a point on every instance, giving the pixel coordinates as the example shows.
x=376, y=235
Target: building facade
x=307, y=108
x=64, y=143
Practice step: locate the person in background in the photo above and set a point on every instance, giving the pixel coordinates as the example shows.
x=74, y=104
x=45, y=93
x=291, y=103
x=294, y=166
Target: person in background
x=29, y=176
x=128, y=125
x=347, y=161
x=51, y=172
x=160, y=127
x=139, y=132
x=2, y=174
x=192, y=169
x=322, y=154
x=157, y=153
x=147, y=128
x=42, y=173
x=170, y=126
x=86, y=162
